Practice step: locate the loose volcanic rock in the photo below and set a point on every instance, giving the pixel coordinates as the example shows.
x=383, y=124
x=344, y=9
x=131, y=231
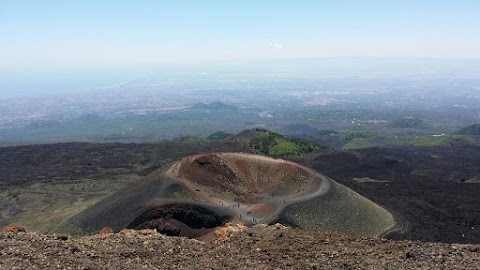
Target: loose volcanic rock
x=258, y=247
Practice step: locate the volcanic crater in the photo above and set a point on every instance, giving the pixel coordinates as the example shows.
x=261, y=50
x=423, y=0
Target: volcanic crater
x=195, y=195
x=254, y=188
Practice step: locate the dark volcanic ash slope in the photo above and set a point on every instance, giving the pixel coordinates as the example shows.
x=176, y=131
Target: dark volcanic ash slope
x=433, y=189
x=198, y=193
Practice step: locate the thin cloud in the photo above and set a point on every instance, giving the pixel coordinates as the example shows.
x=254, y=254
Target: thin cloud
x=276, y=46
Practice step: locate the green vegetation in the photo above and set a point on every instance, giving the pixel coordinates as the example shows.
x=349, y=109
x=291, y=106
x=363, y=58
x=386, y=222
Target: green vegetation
x=191, y=140
x=362, y=139
x=274, y=144
x=366, y=139
x=470, y=130
x=228, y=195
x=14, y=192
x=219, y=135
x=185, y=195
x=324, y=132
x=446, y=140
x=369, y=135
x=359, y=144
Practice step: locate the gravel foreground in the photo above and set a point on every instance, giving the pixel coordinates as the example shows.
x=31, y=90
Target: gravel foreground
x=260, y=247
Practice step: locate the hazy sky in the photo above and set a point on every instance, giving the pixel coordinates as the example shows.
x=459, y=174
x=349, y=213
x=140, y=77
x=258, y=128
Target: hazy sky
x=96, y=33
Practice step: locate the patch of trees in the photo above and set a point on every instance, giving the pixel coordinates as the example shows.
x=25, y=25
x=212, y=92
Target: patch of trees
x=407, y=122
x=274, y=144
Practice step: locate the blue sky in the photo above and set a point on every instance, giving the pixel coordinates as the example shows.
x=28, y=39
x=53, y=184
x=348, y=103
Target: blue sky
x=95, y=33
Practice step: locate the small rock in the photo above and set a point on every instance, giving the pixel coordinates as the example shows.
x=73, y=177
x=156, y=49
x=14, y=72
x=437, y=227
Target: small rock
x=13, y=229
x=60, y=236
x=105, y=231
x=410, y=255
x=473, y=249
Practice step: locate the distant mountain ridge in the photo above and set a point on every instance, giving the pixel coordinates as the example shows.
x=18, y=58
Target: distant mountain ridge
x=214, y=106
x=470, y=130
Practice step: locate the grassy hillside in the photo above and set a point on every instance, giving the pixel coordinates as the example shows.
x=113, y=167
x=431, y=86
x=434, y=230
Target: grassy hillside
x=274, y=144
x=362, y=139
x=219, y=135
x=446, y=140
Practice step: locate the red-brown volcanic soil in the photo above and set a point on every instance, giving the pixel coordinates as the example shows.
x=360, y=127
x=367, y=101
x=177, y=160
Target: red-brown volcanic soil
x=255, y=188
